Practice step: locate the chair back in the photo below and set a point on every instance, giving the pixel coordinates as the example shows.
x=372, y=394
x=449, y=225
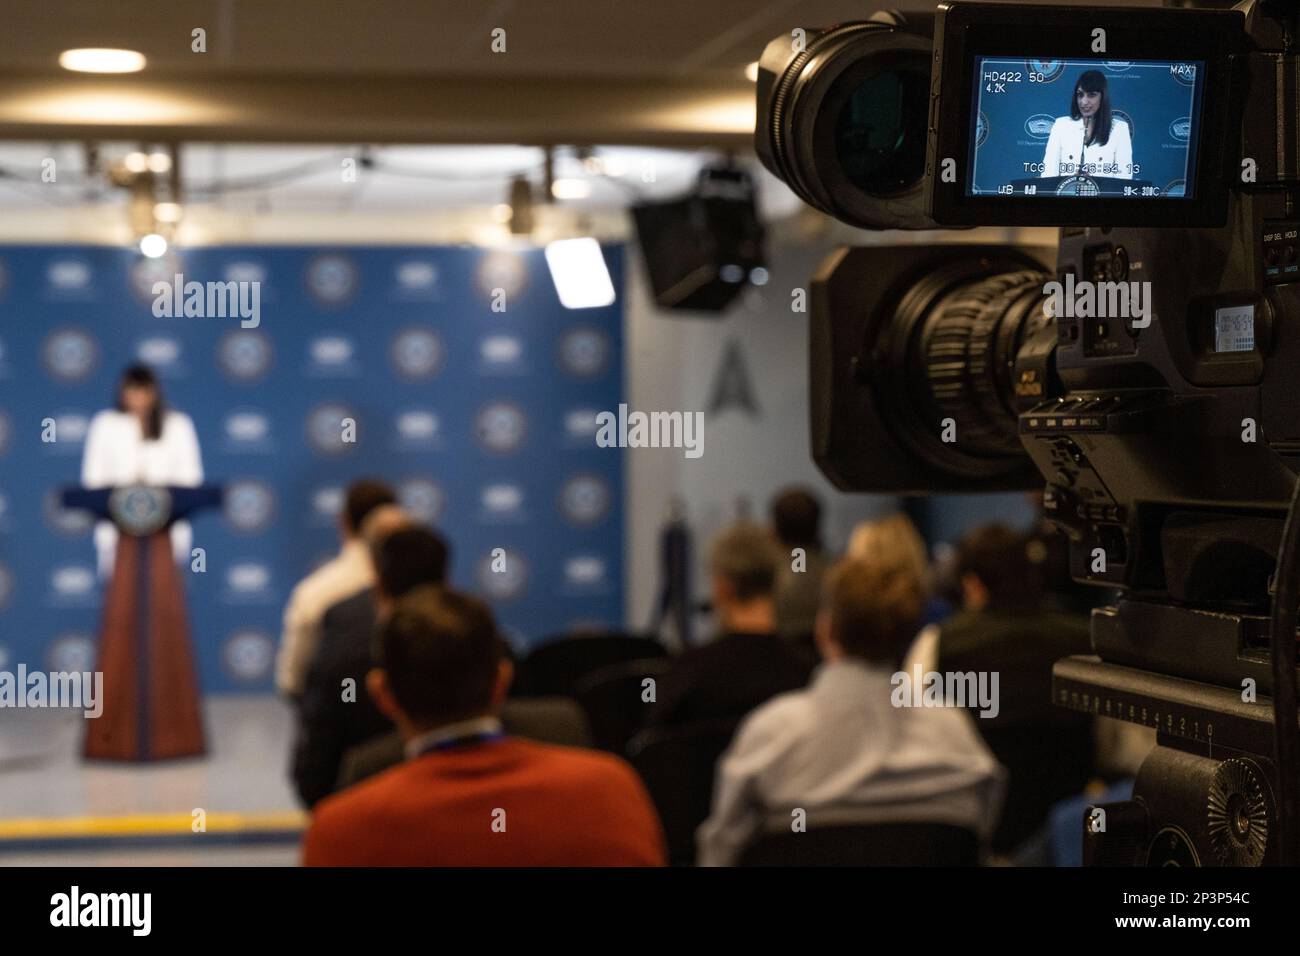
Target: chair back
x=612, y=700
x=875, y=844
x=554, y=668
x=677, y=765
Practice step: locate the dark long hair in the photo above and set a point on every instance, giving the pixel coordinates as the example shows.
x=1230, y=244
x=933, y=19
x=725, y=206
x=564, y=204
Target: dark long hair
x=142, y=376
x=1094, y=81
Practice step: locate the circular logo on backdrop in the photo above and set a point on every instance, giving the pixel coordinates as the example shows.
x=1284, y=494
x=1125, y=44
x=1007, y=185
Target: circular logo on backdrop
x=500, y=427
x=6, y=432
x=1119, y=66
x=1181, y=129
x=70, y=355
x=981, y=129
x=422, y=499
x=139, y=509
x=585, y=499
x=331, y=279
x=584, y=351
x=504, y=270
x=249, y=505
x=71, y=652
x=416, y=353
x=332, y=429
x=1039, y=126
x=1050, y=69
x=503, y=577
x=244, y=356
x=146, y=272
x=6, y=586
x=69, y=521
x=248, y=656
x=1121, y=115
x=1176, y=187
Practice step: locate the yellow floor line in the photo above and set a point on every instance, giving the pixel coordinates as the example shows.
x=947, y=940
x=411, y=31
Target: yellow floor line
x=160, y=824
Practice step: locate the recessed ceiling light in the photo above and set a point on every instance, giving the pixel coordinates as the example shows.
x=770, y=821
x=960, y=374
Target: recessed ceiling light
x=101, y=60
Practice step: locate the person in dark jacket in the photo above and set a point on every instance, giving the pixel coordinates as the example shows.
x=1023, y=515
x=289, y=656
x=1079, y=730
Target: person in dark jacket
x=748, y=662
x=1006, y=627
x=336, y=712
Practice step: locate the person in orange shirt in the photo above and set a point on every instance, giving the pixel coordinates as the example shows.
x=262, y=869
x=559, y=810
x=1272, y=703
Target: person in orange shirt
x=467, y=795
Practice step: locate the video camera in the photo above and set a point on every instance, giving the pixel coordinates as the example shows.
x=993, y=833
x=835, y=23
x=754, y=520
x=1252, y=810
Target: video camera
x=1147, y=368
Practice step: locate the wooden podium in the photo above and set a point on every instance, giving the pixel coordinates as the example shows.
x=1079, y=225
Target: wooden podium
x=151, y=692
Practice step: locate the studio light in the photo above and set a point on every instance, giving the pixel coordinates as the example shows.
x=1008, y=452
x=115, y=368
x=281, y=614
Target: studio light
x=700, y=249
x=579, y=272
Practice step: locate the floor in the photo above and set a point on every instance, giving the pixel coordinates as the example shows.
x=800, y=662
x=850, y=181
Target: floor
x=56, y=809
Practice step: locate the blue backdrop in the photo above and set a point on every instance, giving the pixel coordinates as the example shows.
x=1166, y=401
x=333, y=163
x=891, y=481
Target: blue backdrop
x=484, y=420
x=1012, y=127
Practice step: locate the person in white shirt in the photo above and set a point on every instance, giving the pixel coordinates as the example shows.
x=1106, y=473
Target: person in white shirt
x=348, y=573
x=1091, y=141
x=841, y=750
x=140, y=441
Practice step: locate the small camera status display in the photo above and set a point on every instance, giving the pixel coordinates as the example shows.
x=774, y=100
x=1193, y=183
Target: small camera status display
x=1234, y=328
x=1085, y=128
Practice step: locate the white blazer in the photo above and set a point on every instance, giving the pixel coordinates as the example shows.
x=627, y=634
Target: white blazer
x=117, y=454
x=1113, y=159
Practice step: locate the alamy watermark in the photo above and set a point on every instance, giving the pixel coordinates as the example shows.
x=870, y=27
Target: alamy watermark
x=209, y=300
x=1085, y=299
x=634, y=429
x=973, y=689
x=57, y=689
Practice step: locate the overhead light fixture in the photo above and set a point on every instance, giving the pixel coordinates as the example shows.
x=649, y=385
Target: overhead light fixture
x=101, y=60
x=153, y=246
x=168, y=212
x=571, y=189
x=579, y=272
x=751, y=72
x=159, y=162
x=136, y=162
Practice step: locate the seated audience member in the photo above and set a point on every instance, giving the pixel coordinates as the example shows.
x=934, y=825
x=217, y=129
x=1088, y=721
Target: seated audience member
x=894, y=539
x=467, y=795
x=339, y=578
x=748, y=663
x=841, y=748
x=796, y=523
x=332, y=717
x=550, y=720
x=1003, y=628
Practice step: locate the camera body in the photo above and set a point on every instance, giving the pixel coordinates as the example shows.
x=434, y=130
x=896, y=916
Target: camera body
x=1146, y=370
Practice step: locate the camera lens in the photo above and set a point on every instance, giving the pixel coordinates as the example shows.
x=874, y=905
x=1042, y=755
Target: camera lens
x=843, y=121
x=945, y=364
x=880, y=134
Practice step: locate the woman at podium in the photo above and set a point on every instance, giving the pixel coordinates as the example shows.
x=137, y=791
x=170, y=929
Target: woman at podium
x=140, y=441
x=1091, y=141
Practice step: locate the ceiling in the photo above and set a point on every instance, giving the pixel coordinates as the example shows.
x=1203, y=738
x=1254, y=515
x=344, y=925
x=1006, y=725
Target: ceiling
x=638, y=72
x=544, y=38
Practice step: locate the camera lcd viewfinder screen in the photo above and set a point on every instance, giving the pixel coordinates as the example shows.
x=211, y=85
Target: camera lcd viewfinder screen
x=1085, y=128
x=1234, y=329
